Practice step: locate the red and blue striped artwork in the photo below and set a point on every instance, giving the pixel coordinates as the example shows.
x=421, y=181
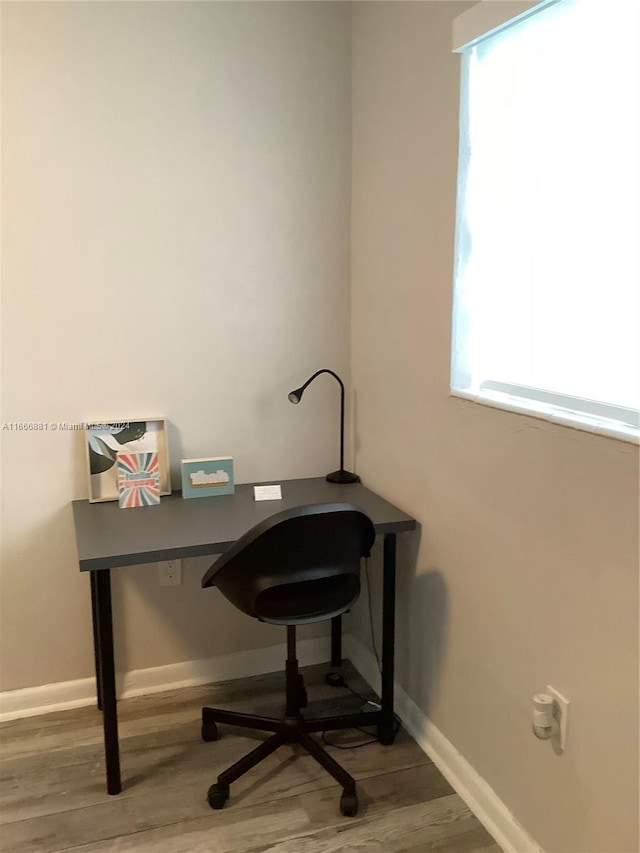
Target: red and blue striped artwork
x=138, y=479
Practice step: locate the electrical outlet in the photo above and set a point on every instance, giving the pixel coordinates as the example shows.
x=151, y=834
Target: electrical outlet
x=561, y=714
x=170, y=573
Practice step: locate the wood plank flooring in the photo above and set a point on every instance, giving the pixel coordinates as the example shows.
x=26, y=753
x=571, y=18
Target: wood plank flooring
x=53, y=798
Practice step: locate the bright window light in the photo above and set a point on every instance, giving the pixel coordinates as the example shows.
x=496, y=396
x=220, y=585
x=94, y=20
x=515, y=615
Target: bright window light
x=547, y=282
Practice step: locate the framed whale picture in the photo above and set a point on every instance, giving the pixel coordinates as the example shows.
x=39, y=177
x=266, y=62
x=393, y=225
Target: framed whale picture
x=104, y=440
x=205, y=478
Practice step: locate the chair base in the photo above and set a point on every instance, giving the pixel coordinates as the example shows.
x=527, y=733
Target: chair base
x=289, y=729
x=292, y=728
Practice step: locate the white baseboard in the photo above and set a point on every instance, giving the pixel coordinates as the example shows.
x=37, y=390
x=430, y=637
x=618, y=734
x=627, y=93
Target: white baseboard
x=47, y=698
x=33, y=701
x=472, y=788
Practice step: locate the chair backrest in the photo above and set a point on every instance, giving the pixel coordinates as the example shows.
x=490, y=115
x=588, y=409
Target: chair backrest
x=300, y=565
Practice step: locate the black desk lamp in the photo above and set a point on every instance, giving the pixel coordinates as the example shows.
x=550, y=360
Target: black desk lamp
x=339, y=476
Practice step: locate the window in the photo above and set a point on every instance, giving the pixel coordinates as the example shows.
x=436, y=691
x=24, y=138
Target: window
x=547, y=280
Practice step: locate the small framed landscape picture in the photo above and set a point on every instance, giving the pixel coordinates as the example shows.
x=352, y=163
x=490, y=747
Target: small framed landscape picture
x=105, y=440
x=204, y=478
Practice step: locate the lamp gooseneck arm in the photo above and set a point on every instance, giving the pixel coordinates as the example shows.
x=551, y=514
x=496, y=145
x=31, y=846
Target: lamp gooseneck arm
x=340, y=476
x=335, y=376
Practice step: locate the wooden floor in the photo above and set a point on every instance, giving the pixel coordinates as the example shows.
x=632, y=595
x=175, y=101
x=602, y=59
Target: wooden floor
x=52, y=794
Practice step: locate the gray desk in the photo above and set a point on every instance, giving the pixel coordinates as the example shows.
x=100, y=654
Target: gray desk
x=109, y=537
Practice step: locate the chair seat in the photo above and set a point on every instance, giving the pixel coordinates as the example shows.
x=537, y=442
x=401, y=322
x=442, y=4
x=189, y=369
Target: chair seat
x=308, y=601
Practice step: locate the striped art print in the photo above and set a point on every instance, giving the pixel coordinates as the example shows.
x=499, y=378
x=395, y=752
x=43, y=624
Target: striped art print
x=138, y=479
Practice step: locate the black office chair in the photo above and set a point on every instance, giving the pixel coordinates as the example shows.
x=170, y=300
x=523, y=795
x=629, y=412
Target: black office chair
x=298, y=566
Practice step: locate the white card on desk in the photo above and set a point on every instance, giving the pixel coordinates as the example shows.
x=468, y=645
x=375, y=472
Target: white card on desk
x=267, y=493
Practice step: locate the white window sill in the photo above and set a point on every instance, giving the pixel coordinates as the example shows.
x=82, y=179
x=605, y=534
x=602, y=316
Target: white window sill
x=554, y=414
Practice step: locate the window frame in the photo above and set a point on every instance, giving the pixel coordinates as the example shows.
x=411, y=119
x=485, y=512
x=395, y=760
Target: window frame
x=484, y=20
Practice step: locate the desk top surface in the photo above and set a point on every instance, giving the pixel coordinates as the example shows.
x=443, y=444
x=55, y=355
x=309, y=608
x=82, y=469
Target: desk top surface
x=108, y=537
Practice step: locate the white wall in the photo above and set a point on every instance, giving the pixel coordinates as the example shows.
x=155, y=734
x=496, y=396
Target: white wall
x=527, y=569
x=175, y=199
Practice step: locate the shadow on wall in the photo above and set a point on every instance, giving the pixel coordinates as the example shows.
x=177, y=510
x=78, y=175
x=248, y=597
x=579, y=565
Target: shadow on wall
x=155, y=625
x=421, y=619
x=421, y=625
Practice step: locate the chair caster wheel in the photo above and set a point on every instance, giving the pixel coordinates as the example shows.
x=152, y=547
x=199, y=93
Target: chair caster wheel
x=349, y=804
x=209, y=732
x=217, y=796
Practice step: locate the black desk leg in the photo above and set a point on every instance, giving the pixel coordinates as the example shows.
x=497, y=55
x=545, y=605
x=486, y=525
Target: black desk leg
x=96, y=644
x=386, y=727
x=106, y=667
x=336, y=641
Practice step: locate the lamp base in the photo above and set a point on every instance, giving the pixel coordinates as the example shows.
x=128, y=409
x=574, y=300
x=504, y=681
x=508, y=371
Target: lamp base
x=342, y=476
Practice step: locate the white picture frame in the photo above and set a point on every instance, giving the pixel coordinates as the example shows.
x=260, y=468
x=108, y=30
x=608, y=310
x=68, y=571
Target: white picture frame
x=103, y=440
